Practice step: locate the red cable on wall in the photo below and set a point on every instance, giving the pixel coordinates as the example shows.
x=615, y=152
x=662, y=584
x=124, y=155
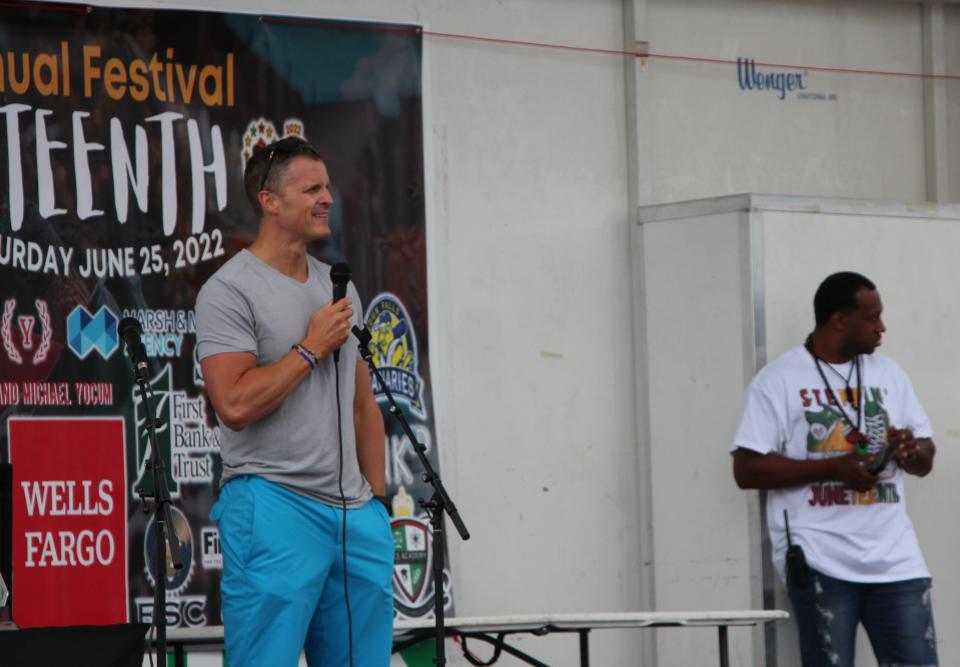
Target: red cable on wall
x=612, y=52
x=320, y=23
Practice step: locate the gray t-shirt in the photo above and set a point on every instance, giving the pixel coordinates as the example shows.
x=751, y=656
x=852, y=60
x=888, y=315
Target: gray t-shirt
x=248, y=306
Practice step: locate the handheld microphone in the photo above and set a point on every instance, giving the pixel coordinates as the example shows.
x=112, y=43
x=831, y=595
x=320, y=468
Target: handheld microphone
x=339, y=276
x=130, y=331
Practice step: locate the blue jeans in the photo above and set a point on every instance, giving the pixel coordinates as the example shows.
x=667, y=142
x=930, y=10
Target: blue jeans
x=282, y=586
x=897, y=616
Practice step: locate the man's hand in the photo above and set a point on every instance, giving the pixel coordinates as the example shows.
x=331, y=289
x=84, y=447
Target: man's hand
x=850, y=470
x=329, y=327
x=753, y=470
x=914, y=456
x=907, y=448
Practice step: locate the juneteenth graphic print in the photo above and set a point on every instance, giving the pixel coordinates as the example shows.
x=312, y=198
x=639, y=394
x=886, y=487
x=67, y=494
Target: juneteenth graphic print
x=123, y=135
x=827, y=436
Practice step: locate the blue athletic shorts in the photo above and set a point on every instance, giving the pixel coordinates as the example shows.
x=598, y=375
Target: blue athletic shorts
x=282, y=587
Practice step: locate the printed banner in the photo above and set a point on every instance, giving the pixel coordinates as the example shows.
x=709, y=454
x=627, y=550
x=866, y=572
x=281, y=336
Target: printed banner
x=123, y=135
x=69, y=521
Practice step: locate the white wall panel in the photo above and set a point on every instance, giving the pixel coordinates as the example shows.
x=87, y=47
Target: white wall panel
x=952, y=42
x=715, y=272
x=711, y=138
x=529, y=266
x=696, y=289
x=908, y=254
x=530, y=312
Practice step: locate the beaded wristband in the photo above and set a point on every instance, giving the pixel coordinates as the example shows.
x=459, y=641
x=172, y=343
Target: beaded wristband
x=305, y=355
x=314, y=355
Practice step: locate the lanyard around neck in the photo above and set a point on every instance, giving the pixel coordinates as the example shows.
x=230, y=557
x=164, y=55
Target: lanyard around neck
x=855, y=436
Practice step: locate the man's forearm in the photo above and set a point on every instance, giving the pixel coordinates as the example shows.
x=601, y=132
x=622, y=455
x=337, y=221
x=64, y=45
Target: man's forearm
x=753, y=470
x=370, y=448
x=773, y=471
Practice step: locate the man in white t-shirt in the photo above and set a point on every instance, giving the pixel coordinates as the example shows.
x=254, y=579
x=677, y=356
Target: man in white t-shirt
x=816, y=424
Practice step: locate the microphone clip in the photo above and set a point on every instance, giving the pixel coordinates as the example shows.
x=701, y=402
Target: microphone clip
x=363, y=335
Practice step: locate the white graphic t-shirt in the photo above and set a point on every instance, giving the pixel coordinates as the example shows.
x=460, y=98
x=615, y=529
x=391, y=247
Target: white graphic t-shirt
x=856, y=536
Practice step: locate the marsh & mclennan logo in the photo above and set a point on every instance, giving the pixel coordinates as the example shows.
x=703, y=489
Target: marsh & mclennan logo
x=87, y=332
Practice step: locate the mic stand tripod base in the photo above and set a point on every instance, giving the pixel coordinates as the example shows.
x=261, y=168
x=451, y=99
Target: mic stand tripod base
x=166, y=539
x=434, y=509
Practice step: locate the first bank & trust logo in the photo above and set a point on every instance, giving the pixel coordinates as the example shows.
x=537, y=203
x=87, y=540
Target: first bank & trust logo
x=88, y=331
x=185, y=439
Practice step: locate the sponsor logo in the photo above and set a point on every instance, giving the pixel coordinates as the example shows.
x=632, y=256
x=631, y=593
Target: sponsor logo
x=86, y=332
x=210, y=556
x=184, y=438
x=412, y=558
x=197, y=371
x=30, y=345
x=750, y=78
x=93, y=393
x=413, y=589
x=403, y=465
x=69, y=525
x=394, y=348
x=182, y=611
x=176, y=580
x=164, y=330
x=262, y=132
x=56, y=393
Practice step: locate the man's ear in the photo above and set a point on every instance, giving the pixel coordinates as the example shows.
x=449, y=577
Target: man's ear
x=838, y=321
x=268, y=201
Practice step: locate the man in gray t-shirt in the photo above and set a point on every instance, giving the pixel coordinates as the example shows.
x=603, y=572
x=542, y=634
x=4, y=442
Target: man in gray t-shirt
x=308, y=557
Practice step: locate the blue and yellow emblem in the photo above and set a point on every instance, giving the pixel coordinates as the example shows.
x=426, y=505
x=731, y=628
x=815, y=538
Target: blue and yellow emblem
x=394, y=349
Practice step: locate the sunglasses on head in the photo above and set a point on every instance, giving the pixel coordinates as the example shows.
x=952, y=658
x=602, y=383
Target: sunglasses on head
x=286, y=145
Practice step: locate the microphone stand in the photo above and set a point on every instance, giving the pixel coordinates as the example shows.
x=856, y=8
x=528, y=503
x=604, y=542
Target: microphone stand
x=162, y=517
x=439, y=503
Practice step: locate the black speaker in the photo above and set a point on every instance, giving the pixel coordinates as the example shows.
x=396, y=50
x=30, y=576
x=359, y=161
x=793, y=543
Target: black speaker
x=78, y=646
x=6, y=528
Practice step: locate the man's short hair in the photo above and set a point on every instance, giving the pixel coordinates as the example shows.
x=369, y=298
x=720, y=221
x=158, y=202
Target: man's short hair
x=838, y=294
x=268, y=165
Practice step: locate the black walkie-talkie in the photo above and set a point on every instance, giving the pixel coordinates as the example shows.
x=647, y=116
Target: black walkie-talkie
x=797, y=571
x=878, y=464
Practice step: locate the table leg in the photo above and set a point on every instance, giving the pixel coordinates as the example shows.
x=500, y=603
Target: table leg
x=724, y=648
x=584, y=647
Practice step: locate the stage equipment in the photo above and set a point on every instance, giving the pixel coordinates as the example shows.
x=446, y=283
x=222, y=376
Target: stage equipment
x=438, y=504
x=130, y=331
